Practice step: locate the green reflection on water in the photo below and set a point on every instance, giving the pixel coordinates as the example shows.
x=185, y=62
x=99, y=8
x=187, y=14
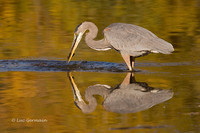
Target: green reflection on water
x=44, y=29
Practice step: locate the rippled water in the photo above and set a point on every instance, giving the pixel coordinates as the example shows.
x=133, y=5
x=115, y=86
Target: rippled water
x=164, y=96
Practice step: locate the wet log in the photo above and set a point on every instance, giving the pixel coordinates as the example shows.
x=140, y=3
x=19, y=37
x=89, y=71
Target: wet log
x=53, y=65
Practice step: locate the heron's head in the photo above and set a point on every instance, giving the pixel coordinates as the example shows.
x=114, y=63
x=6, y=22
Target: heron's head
x=78, y=33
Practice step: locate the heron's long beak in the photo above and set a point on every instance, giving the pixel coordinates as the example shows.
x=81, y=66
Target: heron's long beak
x=76, y=92
x=77, y=39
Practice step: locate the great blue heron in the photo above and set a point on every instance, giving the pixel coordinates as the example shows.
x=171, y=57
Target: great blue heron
x=129, y=40
x=128, y=97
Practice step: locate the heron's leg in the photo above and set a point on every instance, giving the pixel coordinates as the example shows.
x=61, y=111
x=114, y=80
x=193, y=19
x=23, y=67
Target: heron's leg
x=126, y=80
x=130, y=78
x=132, y=59
x=127, y=58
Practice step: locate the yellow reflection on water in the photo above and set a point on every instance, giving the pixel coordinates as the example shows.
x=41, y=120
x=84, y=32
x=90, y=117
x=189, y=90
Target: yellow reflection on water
x=48, y=96
x=44, y=29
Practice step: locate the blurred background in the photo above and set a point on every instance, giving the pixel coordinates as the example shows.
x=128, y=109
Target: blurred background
x=43, y=29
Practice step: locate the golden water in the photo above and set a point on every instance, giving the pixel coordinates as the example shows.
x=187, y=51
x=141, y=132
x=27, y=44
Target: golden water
x=40, y=29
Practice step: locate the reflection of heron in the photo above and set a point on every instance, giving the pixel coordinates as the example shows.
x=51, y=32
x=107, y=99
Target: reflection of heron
x=130, y=40
x=126, y=98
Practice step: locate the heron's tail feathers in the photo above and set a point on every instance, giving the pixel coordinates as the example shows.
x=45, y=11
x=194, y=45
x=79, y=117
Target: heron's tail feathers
x=161, y=46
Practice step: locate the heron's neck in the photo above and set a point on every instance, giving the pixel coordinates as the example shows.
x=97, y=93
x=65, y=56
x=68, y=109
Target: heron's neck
x=100, y=45
x=89, y=97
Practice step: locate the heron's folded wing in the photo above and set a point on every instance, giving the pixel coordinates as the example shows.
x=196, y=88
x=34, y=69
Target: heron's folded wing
x=127, y=37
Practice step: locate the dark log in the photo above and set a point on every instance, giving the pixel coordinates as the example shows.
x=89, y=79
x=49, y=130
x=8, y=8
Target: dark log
x=53, y=65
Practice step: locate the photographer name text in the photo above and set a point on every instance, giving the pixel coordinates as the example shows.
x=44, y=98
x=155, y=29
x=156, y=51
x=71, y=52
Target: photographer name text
x=28, y=120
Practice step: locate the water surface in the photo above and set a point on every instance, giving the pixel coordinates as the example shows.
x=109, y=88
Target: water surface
x=43, y=30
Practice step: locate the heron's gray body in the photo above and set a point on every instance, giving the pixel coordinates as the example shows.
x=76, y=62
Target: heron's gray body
x=130, y=40
x=132, y=98
x=125, y=98
x=135, y=40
